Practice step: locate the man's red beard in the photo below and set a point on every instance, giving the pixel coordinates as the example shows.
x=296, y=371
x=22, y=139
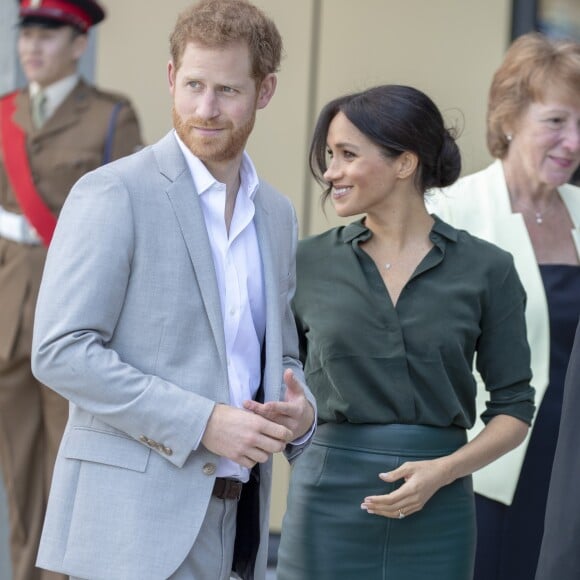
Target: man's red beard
x=226, y=145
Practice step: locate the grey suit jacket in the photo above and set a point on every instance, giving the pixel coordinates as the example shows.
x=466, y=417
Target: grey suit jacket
x=129, y=329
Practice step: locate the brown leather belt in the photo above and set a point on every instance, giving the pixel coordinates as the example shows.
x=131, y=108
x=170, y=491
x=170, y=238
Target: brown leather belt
x=225, y=488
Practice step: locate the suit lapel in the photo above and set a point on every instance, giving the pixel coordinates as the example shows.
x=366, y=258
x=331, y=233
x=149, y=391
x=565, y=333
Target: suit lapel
x=273, y=321
x=185, y=202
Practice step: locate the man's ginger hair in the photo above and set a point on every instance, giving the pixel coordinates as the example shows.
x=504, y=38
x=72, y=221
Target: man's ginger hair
x=217, y=23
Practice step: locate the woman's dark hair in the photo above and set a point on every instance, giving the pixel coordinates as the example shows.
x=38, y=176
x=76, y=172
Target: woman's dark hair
x=396, y=118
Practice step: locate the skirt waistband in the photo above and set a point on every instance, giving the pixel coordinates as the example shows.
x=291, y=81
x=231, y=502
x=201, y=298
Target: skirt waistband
x=398, y=439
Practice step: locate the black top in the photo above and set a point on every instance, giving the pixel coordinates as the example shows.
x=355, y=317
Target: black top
x=367, y=361
x=562, y=287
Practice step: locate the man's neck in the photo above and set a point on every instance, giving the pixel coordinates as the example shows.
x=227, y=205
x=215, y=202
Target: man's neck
x=66, y=81
x=228, y=172
x=56, y=92
x=231, y=195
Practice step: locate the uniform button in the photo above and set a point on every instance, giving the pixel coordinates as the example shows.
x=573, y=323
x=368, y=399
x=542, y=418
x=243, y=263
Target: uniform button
x=167, y=450
x=209, y=468
x=144, y=439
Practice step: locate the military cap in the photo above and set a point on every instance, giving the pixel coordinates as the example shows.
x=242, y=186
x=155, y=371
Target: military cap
x=82, y=14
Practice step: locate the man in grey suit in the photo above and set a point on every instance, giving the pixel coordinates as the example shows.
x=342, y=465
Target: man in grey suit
x=164, y=318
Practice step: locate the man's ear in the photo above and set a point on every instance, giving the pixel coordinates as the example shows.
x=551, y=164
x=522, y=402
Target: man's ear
x=266, y=90
x=171, y=73
x=80, y=43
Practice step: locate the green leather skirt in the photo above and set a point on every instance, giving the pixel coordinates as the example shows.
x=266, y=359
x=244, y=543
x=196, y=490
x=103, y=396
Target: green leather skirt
x=326, y=535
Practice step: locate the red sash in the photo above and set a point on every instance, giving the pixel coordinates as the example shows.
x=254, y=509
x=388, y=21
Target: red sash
x=13, y=142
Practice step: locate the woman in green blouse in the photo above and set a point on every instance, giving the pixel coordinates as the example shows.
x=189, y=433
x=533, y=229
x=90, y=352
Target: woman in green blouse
x=391, y=311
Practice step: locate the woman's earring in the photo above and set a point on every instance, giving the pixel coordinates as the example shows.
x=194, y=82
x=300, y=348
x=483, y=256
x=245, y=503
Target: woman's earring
x=509, y=136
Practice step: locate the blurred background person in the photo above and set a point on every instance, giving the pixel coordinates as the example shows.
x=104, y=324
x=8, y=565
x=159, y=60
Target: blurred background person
x=391, y=310
x=523, y=204
x=58, y=127
x=560, y=553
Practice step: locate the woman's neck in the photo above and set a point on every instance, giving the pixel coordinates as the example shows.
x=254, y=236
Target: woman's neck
x=400, y=224
x=523, y=188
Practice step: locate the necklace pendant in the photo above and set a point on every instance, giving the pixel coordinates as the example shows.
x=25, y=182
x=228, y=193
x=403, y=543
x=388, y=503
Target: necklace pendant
x=388, y=266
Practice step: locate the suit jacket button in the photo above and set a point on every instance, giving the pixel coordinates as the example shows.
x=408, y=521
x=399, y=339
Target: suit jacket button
x=209, y=468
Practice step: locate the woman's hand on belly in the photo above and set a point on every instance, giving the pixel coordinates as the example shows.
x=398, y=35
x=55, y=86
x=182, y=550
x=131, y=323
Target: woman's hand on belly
x=422, y=479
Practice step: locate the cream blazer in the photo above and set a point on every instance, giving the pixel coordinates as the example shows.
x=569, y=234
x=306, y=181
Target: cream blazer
x=480, y=204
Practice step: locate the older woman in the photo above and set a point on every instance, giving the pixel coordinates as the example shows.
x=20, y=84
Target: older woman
x=522, y=203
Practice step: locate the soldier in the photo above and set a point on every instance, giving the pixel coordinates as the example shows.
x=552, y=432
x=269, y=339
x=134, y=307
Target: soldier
x=51, y=133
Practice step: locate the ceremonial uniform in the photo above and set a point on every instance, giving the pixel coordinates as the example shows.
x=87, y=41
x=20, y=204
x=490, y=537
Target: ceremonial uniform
x=89, y=127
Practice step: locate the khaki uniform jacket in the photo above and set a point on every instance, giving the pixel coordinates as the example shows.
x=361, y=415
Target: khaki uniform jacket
x=70, y=144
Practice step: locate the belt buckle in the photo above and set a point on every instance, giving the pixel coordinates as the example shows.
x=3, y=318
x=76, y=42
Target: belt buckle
x=225, y=488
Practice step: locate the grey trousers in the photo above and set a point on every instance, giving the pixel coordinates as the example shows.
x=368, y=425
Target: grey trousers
x=210, y=557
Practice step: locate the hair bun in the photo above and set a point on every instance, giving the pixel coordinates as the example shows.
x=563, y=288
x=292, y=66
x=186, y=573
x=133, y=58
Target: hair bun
x=448, y=162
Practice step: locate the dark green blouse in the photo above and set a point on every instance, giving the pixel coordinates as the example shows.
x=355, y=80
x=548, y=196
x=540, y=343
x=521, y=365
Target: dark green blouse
x=369, y=362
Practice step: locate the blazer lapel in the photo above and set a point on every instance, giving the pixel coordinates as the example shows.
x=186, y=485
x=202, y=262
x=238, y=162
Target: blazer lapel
x=508, y=229
x=185, y=202
x=271, y=291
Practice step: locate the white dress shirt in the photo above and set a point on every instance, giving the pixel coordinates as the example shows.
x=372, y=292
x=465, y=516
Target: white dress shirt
x=55, y=93
x=238, y=267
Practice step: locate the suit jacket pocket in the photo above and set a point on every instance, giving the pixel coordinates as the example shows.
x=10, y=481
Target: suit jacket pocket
x=105, y=447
